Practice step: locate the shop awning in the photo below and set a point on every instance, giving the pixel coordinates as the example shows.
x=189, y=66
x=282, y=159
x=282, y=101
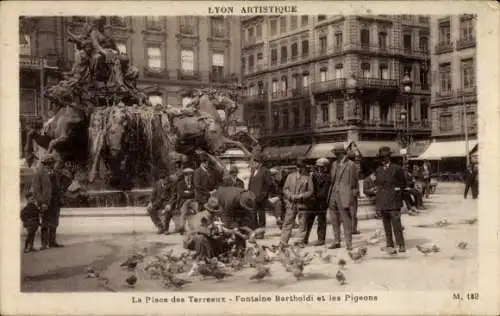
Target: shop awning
x=370, y=148
x=322, y=150
x=285, y=152
x=418, y=147
x=448, y=149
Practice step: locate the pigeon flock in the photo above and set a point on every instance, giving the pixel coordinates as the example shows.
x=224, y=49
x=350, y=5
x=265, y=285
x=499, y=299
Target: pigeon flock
x=166, y=266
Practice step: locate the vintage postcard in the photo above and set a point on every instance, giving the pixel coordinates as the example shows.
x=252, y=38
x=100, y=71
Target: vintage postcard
x=260, y=158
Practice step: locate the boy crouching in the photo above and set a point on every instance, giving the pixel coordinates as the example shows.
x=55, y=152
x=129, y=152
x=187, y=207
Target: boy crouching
x=30, y=216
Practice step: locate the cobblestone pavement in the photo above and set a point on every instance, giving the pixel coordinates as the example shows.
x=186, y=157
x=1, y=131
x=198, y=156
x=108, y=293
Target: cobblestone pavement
x=105, y=241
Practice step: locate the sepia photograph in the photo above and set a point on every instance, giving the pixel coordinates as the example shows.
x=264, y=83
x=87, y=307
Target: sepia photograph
x=256, y=153
x=250, y=157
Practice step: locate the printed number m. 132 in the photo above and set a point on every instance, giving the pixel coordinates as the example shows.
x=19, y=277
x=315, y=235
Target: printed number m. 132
x=468, y=296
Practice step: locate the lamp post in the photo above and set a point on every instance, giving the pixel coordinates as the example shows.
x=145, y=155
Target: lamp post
x=404, y=115
x=352, y=92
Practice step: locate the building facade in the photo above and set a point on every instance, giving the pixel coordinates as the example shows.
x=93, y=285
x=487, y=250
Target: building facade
x=298, y=73
x=172, y=53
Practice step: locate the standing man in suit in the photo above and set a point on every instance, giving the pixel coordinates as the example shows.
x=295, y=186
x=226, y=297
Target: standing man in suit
x=185, y=198
x=390, y=182
x=47, y=192
x=161, y=199
x=260, y=184
x=233, y=180
x=298, y=190
x=205, y=181
x=342, y=196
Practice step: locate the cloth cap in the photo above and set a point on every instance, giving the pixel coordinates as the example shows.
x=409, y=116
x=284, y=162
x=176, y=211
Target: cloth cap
x=247, y=200
x=212, y=205
x=339, y=149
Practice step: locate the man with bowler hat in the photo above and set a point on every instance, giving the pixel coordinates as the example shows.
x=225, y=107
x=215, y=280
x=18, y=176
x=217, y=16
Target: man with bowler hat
x=390, y=182
x=47, y=193
x=342, y=196
x=233, y=180
x=260, y=185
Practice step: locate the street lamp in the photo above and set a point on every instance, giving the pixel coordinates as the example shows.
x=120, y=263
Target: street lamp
x=352, y=92
x=404, y=115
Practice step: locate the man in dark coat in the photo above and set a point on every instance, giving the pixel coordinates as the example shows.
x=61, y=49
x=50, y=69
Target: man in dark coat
x=30, y=216
x=161, y=199
x=321, y=182
x=205, y=181
x=233, y=180
x=342, y=196
x=185, y=198
x=47, y=192
x=260, y=185
x=390, y=182
x=471, y=181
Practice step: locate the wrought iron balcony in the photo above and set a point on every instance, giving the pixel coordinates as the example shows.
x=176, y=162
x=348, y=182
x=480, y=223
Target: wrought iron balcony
x=255, y=98
x=32, y=62
x=443, y=47
x=377, y=83
x=331, y=125
x=219, y=77
x=327, y=86
x=464, y=43
x=445, y=94
x=279, y=94
x=467, y=91
x=300, y=92
x=218, y=33
x=188, y=75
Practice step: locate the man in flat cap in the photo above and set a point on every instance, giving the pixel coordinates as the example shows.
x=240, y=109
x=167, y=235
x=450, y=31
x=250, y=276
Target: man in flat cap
x=185, y=198
x=298, y=191
x=233, y=180
x=342, y=196
x=390, y=181
x=47, y=192
x=260, y=185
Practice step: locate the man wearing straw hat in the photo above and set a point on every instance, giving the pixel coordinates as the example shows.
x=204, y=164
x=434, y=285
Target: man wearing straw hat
x=47, y=192
x=342, y=195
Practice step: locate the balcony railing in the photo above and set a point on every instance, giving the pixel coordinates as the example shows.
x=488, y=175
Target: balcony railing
x=331, y=125
x=32, y=62
x=187, y=29
x=188, y=75
x=219, y=77
x=445, y=94
x=217, y=32
x=279, y=94
x=467, y=91
x=327, y=86
x=255, y=98
x=300, y=92
x=424, y=124
x=443, y=47
x=155, y=72
x=377, y=83
x=466, y=43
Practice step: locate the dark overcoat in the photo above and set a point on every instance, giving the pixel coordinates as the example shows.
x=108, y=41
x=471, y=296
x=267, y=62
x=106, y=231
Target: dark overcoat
x=232, y=214
x=260, y=183
x=390, y=183
x=46, y=188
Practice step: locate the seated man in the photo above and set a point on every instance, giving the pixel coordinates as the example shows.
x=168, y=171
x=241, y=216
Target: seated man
x=185, y=199
x=411, y=196
x=369, y=188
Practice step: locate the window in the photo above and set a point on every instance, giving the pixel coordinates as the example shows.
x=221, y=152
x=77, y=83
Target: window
x=471, y=121
x=296, y=117
x=321, y=18
x=260, y=62
x=187, y=24
x=325, y=113
x=218, y=64
x=295, y=83
x=217, y=27
x=423, y=44
x=276, y=120
x=305, y=48
x=259, y=31
x=274, y=56
x=445, y=77
x=187, y=61
x=24, y=44
x=445, y=122
x=307, y=116
x=304, y=20
x=424, y=80
x=365, y=38
x=260, y=86
x=323, y=74
x=284, y=54
x=293, y=22
x=384, y=111
x=466, y=29
x=122, y=48
x=383, y=71
x=322, y=44
x=250, y=33
x=274, y=27
x=339, y=71
x=467, y=70
x=119, y=21
x=282, y=24
x=153, y=22
x=295, y=51
x=365, y=114
x=275, y=86
x=251, y=63
x=424, y=109
x=407, y=42
x=154, y=57
x=285, y=119
x=252, y=90
x=186, y=101
x=284, y=85
x=365, y=70
x=155, y=99
x=338, y=40
x=444, y=32
x=339, y=106
x=29, y=102
x=305, y=80
x=382, y=40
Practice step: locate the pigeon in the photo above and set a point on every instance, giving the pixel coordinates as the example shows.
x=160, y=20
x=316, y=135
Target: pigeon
x=327, y=258
x=423, y=249
x=340, y=277
x=390, y=250
x=252, y=237
x=131, y=280
x=442, y=223
x=435, y=248
x=471, y=221
x=358, y=254
x=372, y=241
x=463, y=245
x=261, y=273
x=92, y=275
x=298, y=272
x=90, y=269
x=342, y=263
x=170, y=279
x=220, y=274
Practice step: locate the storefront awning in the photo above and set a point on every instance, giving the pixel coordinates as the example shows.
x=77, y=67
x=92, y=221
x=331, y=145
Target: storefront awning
x=370, y=148
x=285, y=152
x=448, y=149
x=322, y=150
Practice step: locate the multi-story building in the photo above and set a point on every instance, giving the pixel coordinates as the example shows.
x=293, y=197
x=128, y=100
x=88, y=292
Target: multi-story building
x=454, y=98
x=299, y=70
x=172, y=53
